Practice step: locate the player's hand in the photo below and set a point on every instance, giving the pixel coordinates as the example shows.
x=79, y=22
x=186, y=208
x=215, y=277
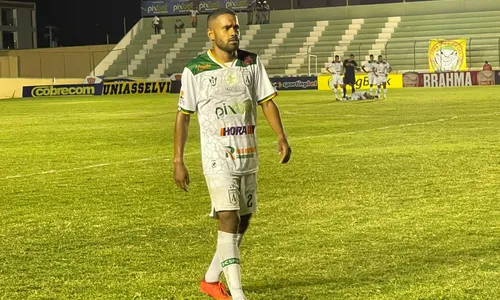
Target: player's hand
x=285, y=150
x=181, y=176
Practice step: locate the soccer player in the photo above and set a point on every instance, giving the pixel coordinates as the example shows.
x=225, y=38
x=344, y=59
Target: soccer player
x=361, y=96
x=368, y=67
x=225, y=86
x=350, y=67
x=194, y=17
x=336, y=68
x=382, y=70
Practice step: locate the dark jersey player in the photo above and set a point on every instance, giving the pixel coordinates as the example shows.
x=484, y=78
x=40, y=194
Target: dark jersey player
x=350, y=67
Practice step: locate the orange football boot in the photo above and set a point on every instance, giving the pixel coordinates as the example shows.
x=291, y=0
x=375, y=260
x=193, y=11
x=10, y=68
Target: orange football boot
x=216, y=290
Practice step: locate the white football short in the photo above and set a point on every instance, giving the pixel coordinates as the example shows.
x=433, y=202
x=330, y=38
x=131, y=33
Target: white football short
x=372, y=78
x=336, y=80
x=381, y=79
x=232, y=192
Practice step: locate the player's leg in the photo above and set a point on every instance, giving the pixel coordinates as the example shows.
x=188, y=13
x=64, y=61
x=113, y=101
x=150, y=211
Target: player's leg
x=225, y=196
x=341, y=84
x=370, y=82
x=385, y=89
x=378, y=88
x=344, y=89
x=248, y=203
x=338, y=85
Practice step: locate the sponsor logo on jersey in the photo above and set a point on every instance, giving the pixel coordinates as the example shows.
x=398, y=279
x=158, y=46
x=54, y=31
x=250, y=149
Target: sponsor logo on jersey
x=239, y=153
x=231, y=78
x=233, y=109
x=247, y=78
x=237, y=130
x=181, y=97
x=248, y=60
x=203, y=67
x=213, y=80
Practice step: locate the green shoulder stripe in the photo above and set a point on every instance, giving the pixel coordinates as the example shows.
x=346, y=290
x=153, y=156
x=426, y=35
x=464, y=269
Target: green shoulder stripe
x=201, y=64
x=246, y=58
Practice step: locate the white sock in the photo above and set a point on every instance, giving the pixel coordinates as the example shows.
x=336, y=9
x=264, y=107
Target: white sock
x=371, y=89
x=385, y=92
x=229, y=254
x=335, y=91
x=215, y=269
x=378, y=91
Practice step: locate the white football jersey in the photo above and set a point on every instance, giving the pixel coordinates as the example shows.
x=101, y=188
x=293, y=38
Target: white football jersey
x=370, y=64
x=226, y=99
x=382, y=68
x=336, y=67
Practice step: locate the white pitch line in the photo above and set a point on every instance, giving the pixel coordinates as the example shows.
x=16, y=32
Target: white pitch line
x=396, y=126
x=294, y=139
x=83, y=168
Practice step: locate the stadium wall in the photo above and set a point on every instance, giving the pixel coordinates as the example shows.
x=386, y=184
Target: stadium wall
x=61, y=62
x=13, y=87
x=379, y=10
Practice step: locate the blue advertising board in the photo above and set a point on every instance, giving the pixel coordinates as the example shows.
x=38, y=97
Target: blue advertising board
x=295, y=83
x=182, y=7
x=62, y=90
x=154, y=8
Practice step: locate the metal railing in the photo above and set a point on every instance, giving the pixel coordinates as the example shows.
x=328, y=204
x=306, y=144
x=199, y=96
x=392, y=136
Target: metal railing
x=410, y=56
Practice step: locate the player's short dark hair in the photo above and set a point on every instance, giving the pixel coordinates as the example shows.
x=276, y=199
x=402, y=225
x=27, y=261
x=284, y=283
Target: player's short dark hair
x=371, y=54
x=337, y=56
x=352, y=55
x=380, y=56
x=219, y=12
x=486, y=62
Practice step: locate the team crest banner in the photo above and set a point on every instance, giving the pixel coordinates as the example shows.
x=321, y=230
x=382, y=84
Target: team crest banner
x=447, y=55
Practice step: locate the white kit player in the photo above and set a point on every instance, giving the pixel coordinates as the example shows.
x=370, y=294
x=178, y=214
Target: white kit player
x=225, y=86
x=368, y=67
x=382, y=70
x=361, y=96
x=336, y=68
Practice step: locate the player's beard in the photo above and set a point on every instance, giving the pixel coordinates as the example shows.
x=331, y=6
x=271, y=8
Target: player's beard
x=231, y=46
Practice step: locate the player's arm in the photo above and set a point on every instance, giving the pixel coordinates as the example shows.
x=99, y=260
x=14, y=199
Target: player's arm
x=328, y=70
x=272, y=114
x=389, y=70
x=181, y=175
x=187, y=106
x=364, y=70
x=356, y=66
x=265, y=93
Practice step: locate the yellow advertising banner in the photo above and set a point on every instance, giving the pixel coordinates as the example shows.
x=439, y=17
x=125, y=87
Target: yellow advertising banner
x=447, y=55
x=393, y=81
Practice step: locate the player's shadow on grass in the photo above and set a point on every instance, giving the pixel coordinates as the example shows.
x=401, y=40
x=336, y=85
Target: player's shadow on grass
x=417, y=265
x=283, y=286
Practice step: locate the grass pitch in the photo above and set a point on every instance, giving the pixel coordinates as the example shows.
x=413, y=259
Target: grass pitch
x=391, y=199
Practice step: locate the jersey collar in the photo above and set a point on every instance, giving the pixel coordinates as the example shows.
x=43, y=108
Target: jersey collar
x=215, y=60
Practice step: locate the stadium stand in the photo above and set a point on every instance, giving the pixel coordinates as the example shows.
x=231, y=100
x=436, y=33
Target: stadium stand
x=288, y=47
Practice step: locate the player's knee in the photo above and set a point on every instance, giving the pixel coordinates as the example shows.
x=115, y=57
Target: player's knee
x=229, y=221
